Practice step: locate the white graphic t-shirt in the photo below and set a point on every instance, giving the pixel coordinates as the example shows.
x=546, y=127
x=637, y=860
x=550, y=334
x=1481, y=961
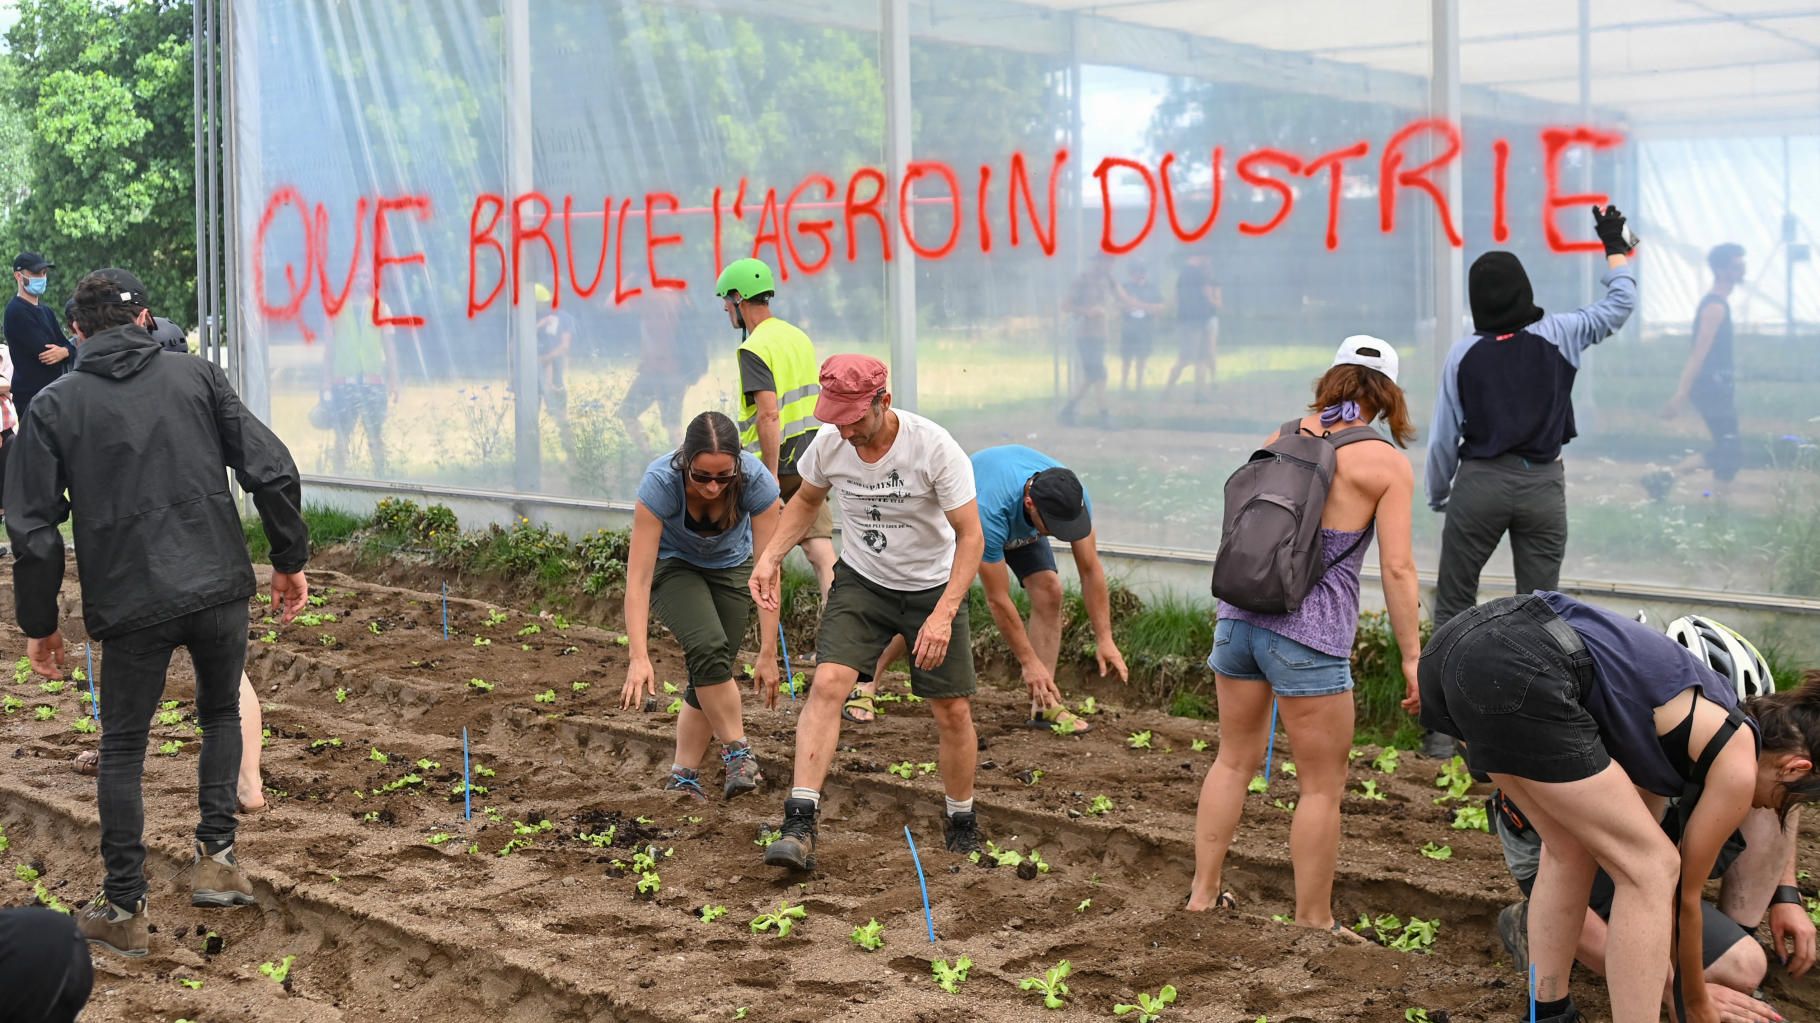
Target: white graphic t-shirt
x=895, y=530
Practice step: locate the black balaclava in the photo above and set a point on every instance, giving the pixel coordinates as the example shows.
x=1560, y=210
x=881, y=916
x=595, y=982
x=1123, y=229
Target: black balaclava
x=1502, y=299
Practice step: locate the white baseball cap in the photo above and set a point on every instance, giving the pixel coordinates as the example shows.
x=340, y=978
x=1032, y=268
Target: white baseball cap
x=1370, y=352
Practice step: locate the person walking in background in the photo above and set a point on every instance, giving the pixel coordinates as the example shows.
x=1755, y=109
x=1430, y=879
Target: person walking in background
x=1706, y=379
x=359, y=381
x=40, y=351
x=667, y=364
x=167, y=504
x=777, y=393
x=555, y=340
x=1504, y=412
x=1093, y=305
x=905, y=573
x=1137, y=334
x=701, y=511
x=1198, y=301
x=1304, y=657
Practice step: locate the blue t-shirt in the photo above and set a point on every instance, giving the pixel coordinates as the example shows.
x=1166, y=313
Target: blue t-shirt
x=662, y=491
x=1637, y=669
x=999, y=475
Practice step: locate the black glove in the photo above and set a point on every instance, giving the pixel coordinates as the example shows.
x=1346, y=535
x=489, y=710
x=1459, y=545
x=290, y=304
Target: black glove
x=1608, y=224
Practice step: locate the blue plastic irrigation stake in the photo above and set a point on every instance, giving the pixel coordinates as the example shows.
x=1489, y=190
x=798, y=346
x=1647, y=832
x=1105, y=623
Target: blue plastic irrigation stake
x=94, y=698
x=784, y=644
x=445, y=610
x=1270, y=752
x=928, y=917
x=1532, y=993
x=467, y=780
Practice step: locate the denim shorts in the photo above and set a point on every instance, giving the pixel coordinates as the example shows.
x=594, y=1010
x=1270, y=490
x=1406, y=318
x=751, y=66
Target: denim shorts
x=1243, y=650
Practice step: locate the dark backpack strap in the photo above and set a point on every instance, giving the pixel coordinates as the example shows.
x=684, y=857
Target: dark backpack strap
x=1684, y=810
x=1289, y=429
x=1364, y=535
x=1353, y=435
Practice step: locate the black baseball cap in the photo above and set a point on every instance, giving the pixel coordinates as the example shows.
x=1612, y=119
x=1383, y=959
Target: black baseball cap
x=1062, y=503
x=32, y=263
x=132, y=290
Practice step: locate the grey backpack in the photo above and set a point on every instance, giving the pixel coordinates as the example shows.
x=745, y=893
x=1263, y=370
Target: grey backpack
x=1270, y=539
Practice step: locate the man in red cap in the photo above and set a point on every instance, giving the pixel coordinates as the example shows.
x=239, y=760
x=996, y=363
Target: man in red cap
x=905, y=493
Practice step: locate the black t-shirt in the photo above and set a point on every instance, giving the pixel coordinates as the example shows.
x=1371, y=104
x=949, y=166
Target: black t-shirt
x=1716, y=372
x=1191, y=302
x=30, y=329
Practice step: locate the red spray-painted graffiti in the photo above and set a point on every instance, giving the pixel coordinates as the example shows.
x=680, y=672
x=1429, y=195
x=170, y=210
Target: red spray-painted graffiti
x=795, y=242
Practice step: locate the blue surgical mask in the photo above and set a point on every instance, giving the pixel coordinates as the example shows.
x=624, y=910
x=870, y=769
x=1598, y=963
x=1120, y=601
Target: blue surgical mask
x=36, y=285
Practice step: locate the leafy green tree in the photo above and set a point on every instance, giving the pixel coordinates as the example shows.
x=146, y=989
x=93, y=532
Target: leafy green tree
x=97, y=143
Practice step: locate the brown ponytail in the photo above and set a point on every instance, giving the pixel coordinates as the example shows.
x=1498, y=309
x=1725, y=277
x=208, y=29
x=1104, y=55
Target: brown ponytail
x=1789, y=722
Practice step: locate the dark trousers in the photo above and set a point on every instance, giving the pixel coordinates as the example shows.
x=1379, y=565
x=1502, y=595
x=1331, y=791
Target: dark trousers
x=1717, y=406
x=1492, y=497
x=132, y=684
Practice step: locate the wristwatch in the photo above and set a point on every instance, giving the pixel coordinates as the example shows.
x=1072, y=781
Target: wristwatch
x=1786, y=893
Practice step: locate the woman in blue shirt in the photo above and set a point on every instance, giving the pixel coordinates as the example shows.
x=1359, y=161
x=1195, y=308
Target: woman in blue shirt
x=700, y=510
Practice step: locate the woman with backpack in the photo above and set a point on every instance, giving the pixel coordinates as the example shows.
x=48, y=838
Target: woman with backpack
x=1591, y=721
x=1301, y=652
x=700, y=512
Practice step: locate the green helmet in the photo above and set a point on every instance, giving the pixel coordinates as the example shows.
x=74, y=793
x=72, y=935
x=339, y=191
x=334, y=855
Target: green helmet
x=750, y=277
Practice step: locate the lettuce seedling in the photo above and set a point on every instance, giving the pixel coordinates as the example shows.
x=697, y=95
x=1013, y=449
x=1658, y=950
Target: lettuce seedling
x=580, y=687
x=193, y=985
x=521, y=828
x=53, y=687
x=326, y=744
x=1455, y=778
x=1437, y=852
x=1053, y=984
x=547, y=696
x=870, y=937
x=480, y=685
x=496, y=617
x=1415, y=1015
x=482, y=641
x=1198, y=746
x=1387, y=760
x=11, y=703
x=675, y=706
x=530, y=630
x=1288, y=768
x=950, y=978
x=86, y=726
x=1084, y=906
x=1149, y=1009
x=1471, y=818
x=1089, y=706
x=377, y=757
x=766, y=837
x=46, y=713
x=903, y=770
x=341, y=695
x=783, y=918
x=649, y=883
x=279, y=972
x=670, y=688
x=171, y=749
x=25, y=873
x=1100, y=805
x=438, y=838
x=1369, y=790
x=709, y=914
x=1258, y=783
x=1138, y=740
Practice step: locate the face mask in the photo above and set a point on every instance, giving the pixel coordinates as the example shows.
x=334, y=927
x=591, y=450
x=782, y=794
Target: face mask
x=36, y=285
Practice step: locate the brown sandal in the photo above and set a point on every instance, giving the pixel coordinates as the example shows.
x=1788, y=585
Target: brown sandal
x=87, y=763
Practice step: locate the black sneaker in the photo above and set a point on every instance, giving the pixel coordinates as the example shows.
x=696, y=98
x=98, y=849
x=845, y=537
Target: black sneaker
x=1570, y=1015
x=795, y=846
x=963, y=833
x=1513, y=930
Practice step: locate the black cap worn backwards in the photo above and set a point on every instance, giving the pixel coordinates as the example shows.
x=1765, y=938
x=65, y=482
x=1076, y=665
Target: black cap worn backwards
x=132, y=290
x=1062, y=503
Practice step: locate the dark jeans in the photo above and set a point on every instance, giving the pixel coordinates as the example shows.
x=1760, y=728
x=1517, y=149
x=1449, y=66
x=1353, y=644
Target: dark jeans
x=1491, y=497
x=132, y=683
x=1717, y=406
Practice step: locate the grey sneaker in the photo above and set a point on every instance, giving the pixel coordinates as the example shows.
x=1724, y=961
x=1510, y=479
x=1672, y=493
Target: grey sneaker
x=795, y=846
x=688, y=785
x=743, y=774
x=124, y=931
x=1437, y=746
x=1513, y=931
x=219, y=882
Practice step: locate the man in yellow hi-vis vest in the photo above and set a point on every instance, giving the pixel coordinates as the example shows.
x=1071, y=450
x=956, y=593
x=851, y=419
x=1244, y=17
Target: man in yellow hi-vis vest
x=779, y=381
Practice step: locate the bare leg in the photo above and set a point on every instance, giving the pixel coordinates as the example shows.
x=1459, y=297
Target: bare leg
x=1244, y=709
x=960, y=751
x=818, y=730
x=252, y=731
x=1320, y=732
x=820, y=553
x=693, y=734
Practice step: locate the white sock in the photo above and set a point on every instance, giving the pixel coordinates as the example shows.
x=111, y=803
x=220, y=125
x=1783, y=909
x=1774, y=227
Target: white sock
x=812, y=795
x=959, y=805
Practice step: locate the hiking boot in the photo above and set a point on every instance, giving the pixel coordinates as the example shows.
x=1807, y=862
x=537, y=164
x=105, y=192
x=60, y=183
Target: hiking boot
x=1570, y=1015
x=743, y=774
x=1437, y=746
x=963, y=833
x=219, y=881
x=122, y=931
x=686, y=784
x=1513, y=931
x=795, y=846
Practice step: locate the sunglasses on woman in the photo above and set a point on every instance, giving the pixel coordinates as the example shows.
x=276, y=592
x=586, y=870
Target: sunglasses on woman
x=704, y=479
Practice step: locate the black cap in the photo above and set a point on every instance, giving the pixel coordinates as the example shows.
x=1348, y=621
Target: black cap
x=1502, y=299
x=132, y=291
x=32, y=263
x=1062, y=503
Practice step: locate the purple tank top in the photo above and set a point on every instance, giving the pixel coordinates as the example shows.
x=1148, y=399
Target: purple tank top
x=1329, y=615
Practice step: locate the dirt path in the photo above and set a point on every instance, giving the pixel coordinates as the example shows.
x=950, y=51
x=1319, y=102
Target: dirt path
x=386, y=925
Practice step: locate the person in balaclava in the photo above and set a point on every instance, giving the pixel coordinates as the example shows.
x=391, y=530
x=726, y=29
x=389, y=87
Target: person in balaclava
x=1504, y=411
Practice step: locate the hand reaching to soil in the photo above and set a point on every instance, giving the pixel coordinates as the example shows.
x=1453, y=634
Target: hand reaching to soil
x=1412, y=698
x=1111, y=658
x=47, y=655
x=290, y=592
x=765, y=680
x=641, y=681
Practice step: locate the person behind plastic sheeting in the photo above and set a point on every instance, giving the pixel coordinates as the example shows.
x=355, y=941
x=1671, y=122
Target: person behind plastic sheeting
x=164, y=565
x=45, y=973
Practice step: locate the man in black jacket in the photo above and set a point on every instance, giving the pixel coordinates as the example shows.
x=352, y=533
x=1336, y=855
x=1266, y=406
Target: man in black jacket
x=139, y=439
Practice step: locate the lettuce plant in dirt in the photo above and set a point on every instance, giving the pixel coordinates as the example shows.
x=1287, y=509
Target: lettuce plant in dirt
x=1100, y=805
x=1455, y=778
x=1149, y=1008
x=782, y=919
x=1369, y=790
x=709, y=914
x=950, y=978
x=1387, y=760
x=1053, y=984
x=1391, y=931
x=279, y=972
x=1437, y=852
x=870, y=937
x=1139, y=740
x=1471, y=818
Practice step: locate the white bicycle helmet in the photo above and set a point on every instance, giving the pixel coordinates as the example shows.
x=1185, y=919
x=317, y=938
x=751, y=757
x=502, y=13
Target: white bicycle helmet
x=1726, y=652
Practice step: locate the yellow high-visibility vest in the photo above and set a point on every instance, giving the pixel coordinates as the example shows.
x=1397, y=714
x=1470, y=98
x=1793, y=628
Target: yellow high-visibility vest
x=797, y=376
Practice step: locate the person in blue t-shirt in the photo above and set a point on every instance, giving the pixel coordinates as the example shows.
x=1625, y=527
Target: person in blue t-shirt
x=1026, y=497
x=700, y=511
x=1589, y=721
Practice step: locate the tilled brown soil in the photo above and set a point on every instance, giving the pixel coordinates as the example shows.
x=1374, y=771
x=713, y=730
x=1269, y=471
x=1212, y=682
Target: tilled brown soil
x=386, y=925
